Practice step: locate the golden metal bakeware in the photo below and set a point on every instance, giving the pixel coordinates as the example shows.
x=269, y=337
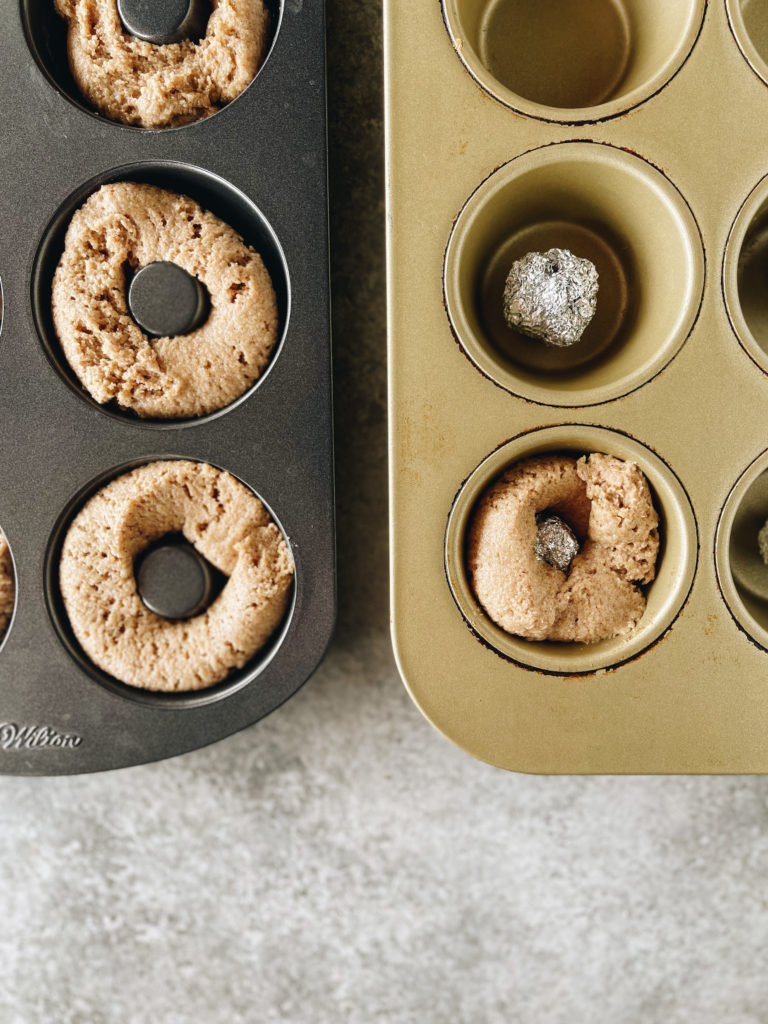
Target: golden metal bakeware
x=629, y=132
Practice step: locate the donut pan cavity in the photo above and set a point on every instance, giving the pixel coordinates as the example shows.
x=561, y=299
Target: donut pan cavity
x=509, y=130
x=259, y=164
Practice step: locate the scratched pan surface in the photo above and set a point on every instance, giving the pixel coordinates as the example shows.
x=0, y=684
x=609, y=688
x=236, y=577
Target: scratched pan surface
x=632, y=132
x=260, y=163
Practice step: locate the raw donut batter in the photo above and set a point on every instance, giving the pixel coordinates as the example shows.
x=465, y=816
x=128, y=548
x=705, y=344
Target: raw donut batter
x=7, y=585
x=136, y=82
x=227, y=524
x=608, y=504
x=130, y=226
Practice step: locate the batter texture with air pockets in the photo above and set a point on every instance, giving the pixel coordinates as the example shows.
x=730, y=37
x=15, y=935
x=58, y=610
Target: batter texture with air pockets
x=7, y=586
x=124, y=227
x=135, y=82
x=227, y=524
x=608, y=504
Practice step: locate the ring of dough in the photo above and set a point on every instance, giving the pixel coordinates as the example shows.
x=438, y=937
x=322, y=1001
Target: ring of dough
x=7, y=586
x=135, y=82
x=227, y=524
x=608, y=504
x=127, y=225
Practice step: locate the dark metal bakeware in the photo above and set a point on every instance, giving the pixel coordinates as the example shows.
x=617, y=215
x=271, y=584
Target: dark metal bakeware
x=260, y=163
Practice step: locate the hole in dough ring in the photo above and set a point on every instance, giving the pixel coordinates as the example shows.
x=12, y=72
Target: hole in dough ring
x=135, y=82
x=227, y=524
x=609, y=505
x=121, y=228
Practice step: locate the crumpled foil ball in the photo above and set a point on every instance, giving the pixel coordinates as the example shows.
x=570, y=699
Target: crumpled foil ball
x=551, y=296
x=556, y=543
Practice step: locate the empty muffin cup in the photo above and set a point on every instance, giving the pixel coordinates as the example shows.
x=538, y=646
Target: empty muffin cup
x=740, y=551
x=665, y=595
x=744, y=264
x=573, y=61
x=750, y=30
x=603, y=204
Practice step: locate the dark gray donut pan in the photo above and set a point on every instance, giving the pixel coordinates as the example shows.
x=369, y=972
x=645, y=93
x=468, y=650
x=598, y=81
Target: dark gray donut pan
x=260, y=164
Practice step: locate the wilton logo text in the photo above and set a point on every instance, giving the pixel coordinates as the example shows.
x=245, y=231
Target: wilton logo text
x=31, y=737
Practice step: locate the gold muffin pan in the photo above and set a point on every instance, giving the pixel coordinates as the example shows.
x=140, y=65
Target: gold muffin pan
x=626, y=131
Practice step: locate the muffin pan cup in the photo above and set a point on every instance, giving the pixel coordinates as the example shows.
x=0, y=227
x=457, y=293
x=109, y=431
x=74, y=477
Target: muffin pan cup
x=574, y=61
x=666, y=594
x=694, y=699
x=56, y=715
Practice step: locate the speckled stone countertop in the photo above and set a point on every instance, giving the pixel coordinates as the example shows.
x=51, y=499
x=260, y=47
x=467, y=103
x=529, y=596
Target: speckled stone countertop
x=340, y=861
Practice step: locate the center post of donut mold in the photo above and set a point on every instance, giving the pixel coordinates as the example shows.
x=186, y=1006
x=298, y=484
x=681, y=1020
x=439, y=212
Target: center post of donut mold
x=174, y=580
x=164, y=21
x=166, y=301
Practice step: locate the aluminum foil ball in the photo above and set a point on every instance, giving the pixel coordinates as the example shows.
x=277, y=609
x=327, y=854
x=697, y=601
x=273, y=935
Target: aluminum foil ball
x=556, y=543
x=551, y=296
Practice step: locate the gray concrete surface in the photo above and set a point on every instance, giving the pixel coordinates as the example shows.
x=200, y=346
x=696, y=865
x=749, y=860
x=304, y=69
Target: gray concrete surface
x=341, y=863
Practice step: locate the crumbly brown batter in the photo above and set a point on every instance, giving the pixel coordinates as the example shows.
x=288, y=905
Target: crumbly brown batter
x=7, y=586
x=135, y=82
x=227, y=524
x=129, y=225
x=608, y=504
x=762, y=542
